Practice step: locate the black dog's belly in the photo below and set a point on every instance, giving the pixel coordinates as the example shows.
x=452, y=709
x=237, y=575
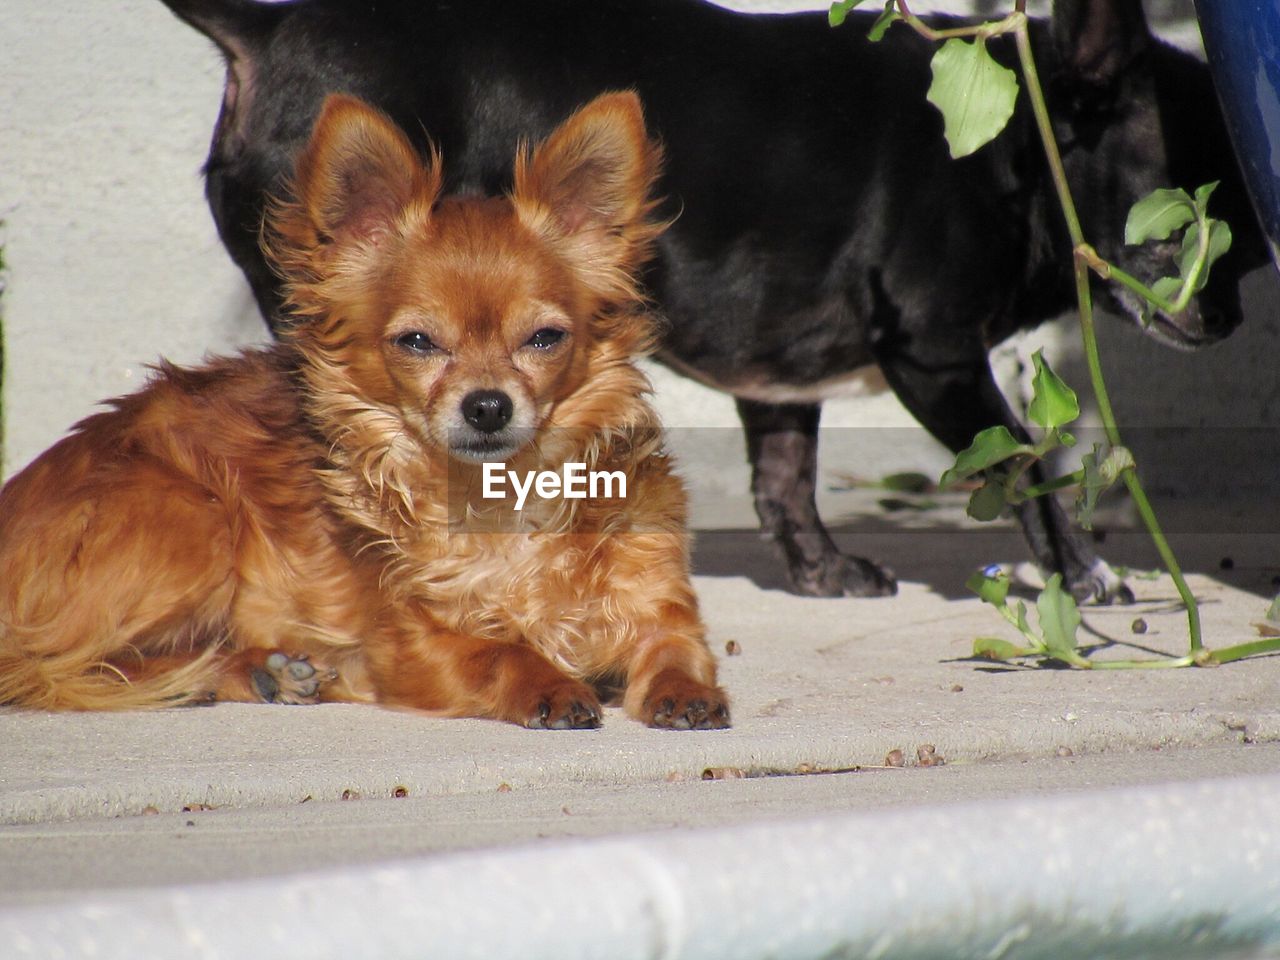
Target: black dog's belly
x=759, y=316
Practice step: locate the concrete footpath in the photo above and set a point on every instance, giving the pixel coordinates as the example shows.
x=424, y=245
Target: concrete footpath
x=98, y=807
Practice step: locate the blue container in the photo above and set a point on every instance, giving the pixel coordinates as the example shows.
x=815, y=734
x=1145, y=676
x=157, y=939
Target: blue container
x=1242, y=41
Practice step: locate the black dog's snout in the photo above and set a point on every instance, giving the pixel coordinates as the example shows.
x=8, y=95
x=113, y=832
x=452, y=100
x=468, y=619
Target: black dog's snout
x=487, y=410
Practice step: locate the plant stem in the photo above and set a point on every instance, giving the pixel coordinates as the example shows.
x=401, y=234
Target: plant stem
x=993, y=29
x=1187, y=661
x=1240, y=651
x=1148, y=515
x=1049, y=486
x=1089, y=335
x=1035, y=94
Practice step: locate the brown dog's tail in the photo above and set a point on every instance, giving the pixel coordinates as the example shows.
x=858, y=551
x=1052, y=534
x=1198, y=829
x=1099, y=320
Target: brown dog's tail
x=78, y=679
x=68, y=681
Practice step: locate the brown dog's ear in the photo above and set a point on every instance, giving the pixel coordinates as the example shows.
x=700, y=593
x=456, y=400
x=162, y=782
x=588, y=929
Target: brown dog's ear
x=586, y=189
x=357, y=181
x=359, y=172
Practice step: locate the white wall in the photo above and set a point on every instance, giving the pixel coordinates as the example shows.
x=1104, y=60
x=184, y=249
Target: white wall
x=113, y=260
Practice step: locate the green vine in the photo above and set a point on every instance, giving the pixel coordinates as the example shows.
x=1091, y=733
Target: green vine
x=976, y=96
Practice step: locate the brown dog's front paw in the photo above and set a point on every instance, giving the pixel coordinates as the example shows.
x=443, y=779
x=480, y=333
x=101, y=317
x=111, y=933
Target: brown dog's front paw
x=678, y=702
x=569, y=706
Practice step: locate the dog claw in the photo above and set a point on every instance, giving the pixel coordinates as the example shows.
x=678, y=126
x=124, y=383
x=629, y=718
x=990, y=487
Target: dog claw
x=577, y=714
x=700, y=708
x=1101, y=585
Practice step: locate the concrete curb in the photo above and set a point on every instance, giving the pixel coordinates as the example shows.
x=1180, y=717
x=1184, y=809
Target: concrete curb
x=1193, y=867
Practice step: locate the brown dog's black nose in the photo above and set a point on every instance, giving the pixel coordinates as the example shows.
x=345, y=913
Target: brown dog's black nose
x=487, y=410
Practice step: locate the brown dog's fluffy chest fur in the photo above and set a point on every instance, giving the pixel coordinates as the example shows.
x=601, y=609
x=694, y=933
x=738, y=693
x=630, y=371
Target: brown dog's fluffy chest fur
x=305, y=531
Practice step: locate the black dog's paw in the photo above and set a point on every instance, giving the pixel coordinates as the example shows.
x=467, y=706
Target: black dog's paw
x=843, y=576
x=1100, y=585
x=281, y=678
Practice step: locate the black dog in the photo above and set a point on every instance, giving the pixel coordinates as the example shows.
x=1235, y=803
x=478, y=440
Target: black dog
x=821, y=225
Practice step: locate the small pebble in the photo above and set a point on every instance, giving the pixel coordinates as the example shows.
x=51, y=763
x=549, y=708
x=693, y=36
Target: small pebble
x=885, y=681
x=927, y=756
x=895, y=758
x=504, y=788
x=675, y=776
x=723, y=773
x=350, y=794
x=400, y=792
x=149, y=811
x=1138, y=626
x=1066, y=752
x=733, y=648
x=957, y=688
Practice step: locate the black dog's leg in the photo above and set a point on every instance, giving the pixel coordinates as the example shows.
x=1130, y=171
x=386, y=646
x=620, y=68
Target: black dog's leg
x=955, y=403
x=782, y=445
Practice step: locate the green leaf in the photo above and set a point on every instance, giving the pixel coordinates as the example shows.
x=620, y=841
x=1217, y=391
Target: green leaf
x=1203, y=193
x=989, y=447
x=910, y=481
x=1102, y=468
x=1020, y=615
x=883, y=22
x=1091, y=488
x=987, y=502
x=1219, y=243
x=840, y=10
x=1059, y=618
x=1167, y=287
x=1117, y=460
x=993, y=648
x=1053, y=403
x=974, y=93
x=1157, y=215
x=990, y=588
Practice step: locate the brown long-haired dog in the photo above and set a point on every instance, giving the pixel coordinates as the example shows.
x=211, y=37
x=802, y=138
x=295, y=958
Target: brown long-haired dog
x=310, y=521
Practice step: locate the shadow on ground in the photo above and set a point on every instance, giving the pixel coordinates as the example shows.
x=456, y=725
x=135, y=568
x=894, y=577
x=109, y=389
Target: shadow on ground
x=942, y=553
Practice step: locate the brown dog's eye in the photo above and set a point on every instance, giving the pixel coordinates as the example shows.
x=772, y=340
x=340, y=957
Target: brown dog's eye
x=546, y=338
x=416, y=341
